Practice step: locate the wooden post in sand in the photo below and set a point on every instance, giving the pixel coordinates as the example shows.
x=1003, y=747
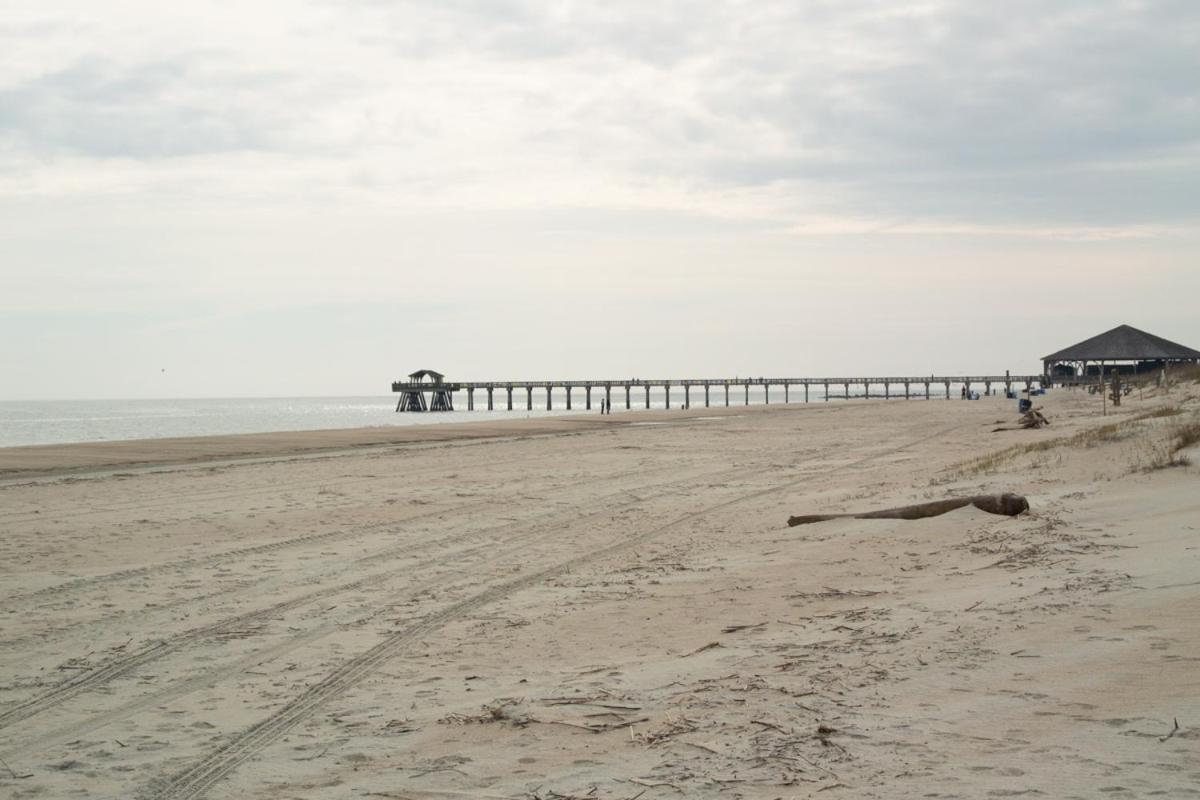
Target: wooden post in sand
x=1103, y=397
x=548, y=406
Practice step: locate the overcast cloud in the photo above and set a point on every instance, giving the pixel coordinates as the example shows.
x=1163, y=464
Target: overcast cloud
x=312, y=197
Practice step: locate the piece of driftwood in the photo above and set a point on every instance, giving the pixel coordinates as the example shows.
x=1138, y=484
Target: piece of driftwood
x=1007, y=504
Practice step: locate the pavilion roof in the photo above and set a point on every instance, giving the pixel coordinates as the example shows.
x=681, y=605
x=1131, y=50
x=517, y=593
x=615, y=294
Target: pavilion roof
x=1124, y=343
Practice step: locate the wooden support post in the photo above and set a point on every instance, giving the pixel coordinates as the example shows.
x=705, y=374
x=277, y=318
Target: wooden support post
x=887, y=391
x=471, y=398
x=568, y=388
x=687, y=395
x=926, y=390
x=727, y=395
x=529, y=398
x=489, y=391
x=786, y=392
x=607, y=397
x=706, y=395
x=747, y=393
x=627, y=389
x=806, y=392
x=767, y=393
x=987, y=388
x=826, y=391
x=846, y=386
x=589, y=397
x=647, y=395
x=906, y=393
x=947, y=390
x=667, y=394
x=509, y=398
x=549, y=388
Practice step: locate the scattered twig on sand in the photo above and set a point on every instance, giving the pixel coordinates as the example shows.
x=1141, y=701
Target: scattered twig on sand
x=14, y=775
x=973, y=606
x=1174, y=731
x=771, y=725
x=506, y=709
x=830, y=592
x=736, y=628
x=653, y=784
x=708, y=646
x=600, y=727
x=318, y=755
x=833, y=786
x=670, y=730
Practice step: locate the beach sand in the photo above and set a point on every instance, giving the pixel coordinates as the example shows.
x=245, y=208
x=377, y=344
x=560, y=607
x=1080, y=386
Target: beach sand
x=608, y=607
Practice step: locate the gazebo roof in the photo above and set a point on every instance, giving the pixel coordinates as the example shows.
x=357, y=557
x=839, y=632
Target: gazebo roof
x=422, y=373
x=1124, y=343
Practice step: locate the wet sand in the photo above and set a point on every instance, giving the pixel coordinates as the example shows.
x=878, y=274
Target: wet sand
x=605, y=607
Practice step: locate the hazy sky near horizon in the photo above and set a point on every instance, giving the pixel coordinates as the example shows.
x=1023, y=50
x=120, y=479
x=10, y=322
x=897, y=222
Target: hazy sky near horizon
x=317, y=196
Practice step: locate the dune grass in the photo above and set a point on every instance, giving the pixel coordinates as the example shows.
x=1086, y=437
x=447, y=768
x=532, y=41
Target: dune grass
x=1179, y=439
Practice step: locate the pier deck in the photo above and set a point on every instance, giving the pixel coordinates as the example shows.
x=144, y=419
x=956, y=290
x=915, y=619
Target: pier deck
x=907, y=387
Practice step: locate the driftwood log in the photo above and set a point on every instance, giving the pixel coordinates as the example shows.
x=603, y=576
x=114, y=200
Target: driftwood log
x=1007, y=504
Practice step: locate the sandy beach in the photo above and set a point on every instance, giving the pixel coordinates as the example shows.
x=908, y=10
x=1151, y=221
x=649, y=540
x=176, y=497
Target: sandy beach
x=609, y=607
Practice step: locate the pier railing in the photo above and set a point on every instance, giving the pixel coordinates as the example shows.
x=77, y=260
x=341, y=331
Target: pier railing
x=645, y=385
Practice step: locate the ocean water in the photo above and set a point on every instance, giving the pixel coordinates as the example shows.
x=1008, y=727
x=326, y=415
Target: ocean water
x=62, y=421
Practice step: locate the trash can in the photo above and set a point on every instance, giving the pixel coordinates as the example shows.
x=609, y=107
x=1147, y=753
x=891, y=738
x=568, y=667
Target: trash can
x=1024, y=405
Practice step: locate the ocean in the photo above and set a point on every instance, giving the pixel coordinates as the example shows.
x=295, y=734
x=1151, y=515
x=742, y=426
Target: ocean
x=64, y=421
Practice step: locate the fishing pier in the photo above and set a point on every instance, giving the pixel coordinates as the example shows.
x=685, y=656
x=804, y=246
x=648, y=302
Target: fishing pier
x=413, y=391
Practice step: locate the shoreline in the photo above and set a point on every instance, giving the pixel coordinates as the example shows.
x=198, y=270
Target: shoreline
x=65, y=459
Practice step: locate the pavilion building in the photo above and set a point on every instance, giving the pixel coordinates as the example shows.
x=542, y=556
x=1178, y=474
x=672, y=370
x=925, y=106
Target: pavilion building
x=1129, y=350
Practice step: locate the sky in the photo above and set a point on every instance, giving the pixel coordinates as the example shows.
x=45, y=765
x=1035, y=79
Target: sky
x=315, y=197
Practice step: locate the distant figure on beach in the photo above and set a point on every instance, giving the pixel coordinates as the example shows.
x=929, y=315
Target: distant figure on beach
x=964, y=392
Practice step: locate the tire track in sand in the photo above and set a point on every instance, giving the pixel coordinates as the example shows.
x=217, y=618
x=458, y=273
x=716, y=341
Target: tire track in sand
x=194, y=781
x=126, y=664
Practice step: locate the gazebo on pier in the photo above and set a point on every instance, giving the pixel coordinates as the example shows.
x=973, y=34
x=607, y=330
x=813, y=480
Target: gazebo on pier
x=412, y=392
x=1128, y=350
